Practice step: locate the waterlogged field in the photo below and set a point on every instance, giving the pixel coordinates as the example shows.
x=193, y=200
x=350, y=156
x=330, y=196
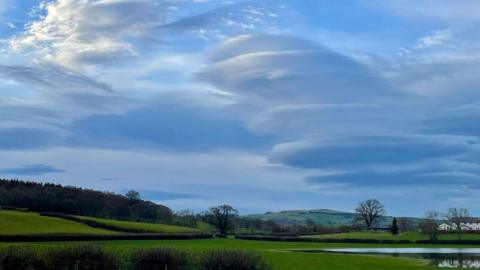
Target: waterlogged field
x=277, y=253
x=412, y=236
x=22, y=223
x=152, y=227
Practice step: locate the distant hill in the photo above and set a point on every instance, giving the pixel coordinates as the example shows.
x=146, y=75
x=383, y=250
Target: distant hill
x=324, y=217
x=47, y=197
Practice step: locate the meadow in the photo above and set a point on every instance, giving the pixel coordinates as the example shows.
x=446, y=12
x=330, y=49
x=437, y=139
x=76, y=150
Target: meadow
x=23, y=223
x=276, y=253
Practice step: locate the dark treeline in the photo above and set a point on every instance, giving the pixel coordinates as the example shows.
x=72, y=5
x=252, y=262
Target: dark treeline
x=45, y=197
x=247, y=225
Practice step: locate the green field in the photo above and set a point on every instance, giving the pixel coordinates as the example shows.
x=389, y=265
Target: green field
x=152, y=227
x=21, y=223
x=276, y=253
x=412, y=236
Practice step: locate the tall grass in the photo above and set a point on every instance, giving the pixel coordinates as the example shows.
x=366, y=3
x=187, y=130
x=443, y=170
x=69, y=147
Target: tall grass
x=20, y=258
x=80, y=257
x=90, y=257
x=232, y=260
x=163, y=258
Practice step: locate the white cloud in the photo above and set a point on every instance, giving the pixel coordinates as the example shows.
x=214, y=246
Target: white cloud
x=83, y=32
x=435, y=38
x=293, y=86
x=286, y=70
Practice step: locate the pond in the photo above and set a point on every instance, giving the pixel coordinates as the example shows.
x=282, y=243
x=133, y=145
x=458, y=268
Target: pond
x=441, y=257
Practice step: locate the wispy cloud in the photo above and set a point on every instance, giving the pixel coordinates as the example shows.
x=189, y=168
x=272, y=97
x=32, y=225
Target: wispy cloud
x=33, y=169
x=52, y=76
x=435, y=38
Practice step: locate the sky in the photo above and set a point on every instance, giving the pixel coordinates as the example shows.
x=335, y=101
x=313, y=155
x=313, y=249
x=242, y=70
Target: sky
x=264, y=105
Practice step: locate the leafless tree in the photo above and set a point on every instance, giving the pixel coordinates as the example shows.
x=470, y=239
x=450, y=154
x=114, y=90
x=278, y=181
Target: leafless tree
x=458, y=217
x=223, y=215
x=369, y=211
x=430, y=224
x=406, y=224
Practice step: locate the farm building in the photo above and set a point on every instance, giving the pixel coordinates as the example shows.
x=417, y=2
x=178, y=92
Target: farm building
x=471, y=225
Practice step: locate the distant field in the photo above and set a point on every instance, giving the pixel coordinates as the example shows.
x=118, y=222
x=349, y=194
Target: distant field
x=412, y=236
x=153, y=227
x=21, y=223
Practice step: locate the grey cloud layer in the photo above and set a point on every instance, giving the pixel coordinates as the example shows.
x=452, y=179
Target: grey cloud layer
x=51, y=76
x=344, y=116
x=32, y=169
x=340, y=120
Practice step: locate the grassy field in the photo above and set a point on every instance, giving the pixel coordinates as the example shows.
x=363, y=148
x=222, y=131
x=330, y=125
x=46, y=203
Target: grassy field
x=277, y=253
x=412, y=236
x=153, y=227
x=15, y=222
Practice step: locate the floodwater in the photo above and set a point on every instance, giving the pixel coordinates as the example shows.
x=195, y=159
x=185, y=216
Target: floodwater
x=441, y=257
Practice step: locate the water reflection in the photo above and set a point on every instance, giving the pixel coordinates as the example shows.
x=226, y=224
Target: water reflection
x=441, y=257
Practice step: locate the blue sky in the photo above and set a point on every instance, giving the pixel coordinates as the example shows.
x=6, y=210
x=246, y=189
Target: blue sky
x=265, y=105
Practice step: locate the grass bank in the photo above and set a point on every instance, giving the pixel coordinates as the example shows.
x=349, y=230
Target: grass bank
x=24, y=223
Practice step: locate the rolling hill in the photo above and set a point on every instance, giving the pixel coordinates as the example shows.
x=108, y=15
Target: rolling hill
x=29, y=223
x=23, y=223
x=324, y=217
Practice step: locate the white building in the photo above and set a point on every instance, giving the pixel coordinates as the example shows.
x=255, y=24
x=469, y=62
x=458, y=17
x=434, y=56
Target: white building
x=473, y=225
x=444, y=227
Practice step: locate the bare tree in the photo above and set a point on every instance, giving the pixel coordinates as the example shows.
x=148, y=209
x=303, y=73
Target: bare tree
x=369, y=211
x=186, y=218
x=406, y=224
x=458, y=217
x=223, y=215
x=430, y=224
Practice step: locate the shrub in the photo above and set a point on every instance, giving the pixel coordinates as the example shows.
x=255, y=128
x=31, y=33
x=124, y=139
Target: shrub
x=162, y=258
x=86, y=257
x=19, y=258
x=232, y=260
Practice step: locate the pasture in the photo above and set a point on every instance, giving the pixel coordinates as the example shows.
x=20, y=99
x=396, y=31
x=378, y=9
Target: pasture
x=277, y=253
x=24, y=223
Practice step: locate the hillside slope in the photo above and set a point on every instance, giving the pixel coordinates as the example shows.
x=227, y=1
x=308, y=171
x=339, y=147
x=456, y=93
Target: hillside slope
x=150, y=227
x=324, y=217
x=22, y=223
